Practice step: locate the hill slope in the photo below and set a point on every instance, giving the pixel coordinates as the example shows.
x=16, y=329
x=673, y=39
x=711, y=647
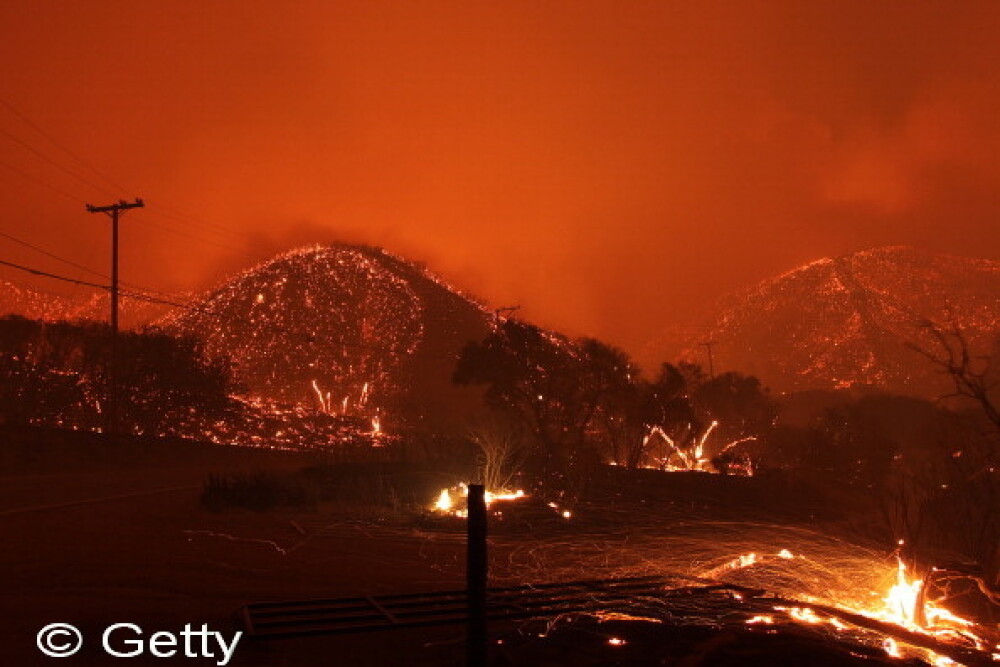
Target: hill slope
x=347, y=329
x=850, y=321
x=37, y=305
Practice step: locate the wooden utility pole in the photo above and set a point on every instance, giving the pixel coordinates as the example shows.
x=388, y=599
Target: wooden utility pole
x=509, y=310
x=114, y=211
x=711, y=363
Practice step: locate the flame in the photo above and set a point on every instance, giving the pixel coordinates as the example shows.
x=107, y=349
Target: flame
x=692, y=458
x=444, y=502
x=765, y=619
x=903, y=604
x=446, y=505
x=803, y=614
x=891, y=647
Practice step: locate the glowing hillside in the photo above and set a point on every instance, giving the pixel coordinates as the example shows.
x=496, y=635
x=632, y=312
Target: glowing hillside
x=850, y=321
x=349, y=330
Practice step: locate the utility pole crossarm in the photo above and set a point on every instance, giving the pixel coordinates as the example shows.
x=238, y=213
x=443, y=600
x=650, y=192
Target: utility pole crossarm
x=112, y=208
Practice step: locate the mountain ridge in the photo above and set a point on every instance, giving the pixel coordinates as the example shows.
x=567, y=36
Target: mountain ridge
x=853, y=320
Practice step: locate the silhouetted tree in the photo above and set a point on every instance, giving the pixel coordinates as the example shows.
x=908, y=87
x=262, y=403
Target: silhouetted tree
x=645, y=405
x=738, y=403
x=711, y=418
x=55, y=374
x=554, y=385
x=975, y=492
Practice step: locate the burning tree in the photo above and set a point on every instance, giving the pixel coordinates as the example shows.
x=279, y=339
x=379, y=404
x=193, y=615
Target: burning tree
x=684, y=420
x=635, y=406
x=583, y=400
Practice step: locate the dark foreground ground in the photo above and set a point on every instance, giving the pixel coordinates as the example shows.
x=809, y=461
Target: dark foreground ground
x=98, y=539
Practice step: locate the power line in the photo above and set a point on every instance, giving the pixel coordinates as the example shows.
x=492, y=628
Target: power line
x=163, y=211
x=145, y=297
x=54, y=276
x=126, y=293
x=43, y=251
x=78, y=199
x=180, y=232
x=49, y=160
x=52, y=255
x=42, y=183
x=61, y=146
x=216, y=227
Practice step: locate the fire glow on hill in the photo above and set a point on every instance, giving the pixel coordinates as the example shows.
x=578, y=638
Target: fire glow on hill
x=849, y=321
x=324, y=324
x=350, y=331
x=327, y=344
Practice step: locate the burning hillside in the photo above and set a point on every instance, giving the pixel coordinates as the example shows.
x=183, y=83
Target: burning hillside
x=26, y=302
x=87, y=304
x=349, y=330
x=849, y=321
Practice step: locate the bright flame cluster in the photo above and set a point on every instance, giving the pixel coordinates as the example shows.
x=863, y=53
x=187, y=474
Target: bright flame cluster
x=676, y=457
x=447, y=504
x=901, y=605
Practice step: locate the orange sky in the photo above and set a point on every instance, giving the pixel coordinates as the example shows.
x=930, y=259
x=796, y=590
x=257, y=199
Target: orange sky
x=613, y=167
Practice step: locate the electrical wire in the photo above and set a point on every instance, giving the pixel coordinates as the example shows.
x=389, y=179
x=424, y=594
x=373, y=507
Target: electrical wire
x=69, y=262
x=44, y=184
x=27, y=121
x=52, y=162
x=167, y=302
x=162, y=211
x=52, y=255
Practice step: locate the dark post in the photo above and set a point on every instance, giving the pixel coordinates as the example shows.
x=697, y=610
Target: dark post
x=476, y=574
x=113, y=398
x=113, y=211
x=711, y=364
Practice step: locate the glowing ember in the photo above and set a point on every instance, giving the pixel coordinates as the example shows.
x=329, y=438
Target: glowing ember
x=902, y=605
x=566, y=514
x=691, y=457
x=764, y=619
x=815, y=327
